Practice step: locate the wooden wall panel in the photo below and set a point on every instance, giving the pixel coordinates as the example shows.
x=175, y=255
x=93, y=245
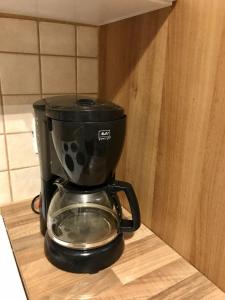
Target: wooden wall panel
x=189, y=200
x=208, y=246
x=128, y=65
x=168, y=70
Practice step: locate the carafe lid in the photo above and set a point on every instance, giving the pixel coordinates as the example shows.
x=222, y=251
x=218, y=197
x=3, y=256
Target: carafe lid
x=81, y=109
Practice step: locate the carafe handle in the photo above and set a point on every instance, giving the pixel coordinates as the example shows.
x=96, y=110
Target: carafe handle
x=128, y=225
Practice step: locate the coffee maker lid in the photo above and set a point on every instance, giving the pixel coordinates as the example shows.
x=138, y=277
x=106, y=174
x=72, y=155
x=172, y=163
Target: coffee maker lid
x=81, y=109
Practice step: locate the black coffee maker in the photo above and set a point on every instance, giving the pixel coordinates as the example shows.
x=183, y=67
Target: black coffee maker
x=80, y=141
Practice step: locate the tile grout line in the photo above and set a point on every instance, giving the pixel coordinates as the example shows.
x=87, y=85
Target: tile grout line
x=16, y=132
x=6, y=144
x=39, y=58
x=20, y=168
x=76, y=87
x=98, y=61
x=47, y=54
x=24, y=94
x=87, y=57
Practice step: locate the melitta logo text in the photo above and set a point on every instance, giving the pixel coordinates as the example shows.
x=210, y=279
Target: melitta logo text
x=104, y=135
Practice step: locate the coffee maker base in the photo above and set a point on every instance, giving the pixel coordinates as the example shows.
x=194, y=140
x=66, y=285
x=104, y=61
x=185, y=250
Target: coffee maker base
x=84, y=261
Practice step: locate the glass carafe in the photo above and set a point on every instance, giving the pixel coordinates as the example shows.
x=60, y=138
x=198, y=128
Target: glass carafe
x=87, y=219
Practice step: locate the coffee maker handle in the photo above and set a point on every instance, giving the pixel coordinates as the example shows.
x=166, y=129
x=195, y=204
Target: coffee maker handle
x=128, y=225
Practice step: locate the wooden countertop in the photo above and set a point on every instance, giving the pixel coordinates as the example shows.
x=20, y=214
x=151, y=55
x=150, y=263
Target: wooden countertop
x=148, y=269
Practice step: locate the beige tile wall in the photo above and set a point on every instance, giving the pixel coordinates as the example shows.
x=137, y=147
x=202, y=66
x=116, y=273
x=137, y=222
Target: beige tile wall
x=37, y=59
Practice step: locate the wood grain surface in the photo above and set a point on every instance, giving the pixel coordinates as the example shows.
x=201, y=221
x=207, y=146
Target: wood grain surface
x=148, y=269
x=167, y=69
x=189, y=197
x=131, y=75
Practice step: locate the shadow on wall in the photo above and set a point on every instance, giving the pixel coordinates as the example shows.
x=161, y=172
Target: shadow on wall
x=132, y=66
x=122, y=46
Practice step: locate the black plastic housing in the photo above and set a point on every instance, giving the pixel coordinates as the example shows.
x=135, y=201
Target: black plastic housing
x=80, y=142
x=84, y=261
x=88, y=158
x=85, y=150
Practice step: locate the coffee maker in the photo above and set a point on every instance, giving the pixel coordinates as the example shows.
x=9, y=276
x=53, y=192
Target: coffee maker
x=80, y=142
